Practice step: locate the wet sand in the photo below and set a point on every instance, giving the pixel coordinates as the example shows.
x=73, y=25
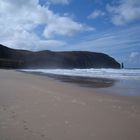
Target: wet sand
x=79, y=80
x=35, y=107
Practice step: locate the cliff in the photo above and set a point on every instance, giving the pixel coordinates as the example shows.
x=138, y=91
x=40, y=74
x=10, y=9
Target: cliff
x=11, y=58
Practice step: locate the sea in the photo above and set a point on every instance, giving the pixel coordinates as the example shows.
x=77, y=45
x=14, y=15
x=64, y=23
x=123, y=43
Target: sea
x=127, y=81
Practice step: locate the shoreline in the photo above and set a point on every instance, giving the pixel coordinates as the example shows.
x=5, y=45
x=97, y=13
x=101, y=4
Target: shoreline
x=90, y=82
x=122, y=87
x=38, y=107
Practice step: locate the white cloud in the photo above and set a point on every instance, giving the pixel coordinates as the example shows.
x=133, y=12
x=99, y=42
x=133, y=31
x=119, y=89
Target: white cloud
x=134, y=54
x=64, y=26
x=134, y=59
x=125, y=11
x=51, y=44
x=19, y=18
x=60, y=1
x=26, y=40
x=95, y=14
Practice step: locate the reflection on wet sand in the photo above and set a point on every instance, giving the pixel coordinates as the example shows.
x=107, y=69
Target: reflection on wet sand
x=85, y=81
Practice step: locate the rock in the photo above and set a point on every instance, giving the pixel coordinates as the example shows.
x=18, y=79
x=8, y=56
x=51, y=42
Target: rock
x=12, y=58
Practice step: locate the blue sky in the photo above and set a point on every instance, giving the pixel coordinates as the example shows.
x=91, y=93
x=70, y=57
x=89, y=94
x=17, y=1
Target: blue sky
x=108, y=26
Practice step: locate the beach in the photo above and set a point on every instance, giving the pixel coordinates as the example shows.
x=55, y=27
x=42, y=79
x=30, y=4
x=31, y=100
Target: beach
x=37, y=107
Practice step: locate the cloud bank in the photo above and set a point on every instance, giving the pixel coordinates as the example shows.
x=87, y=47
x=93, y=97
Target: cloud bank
x=19, y=18
x=124, y=11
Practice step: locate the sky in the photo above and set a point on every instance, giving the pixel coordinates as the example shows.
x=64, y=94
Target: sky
x=107, y=26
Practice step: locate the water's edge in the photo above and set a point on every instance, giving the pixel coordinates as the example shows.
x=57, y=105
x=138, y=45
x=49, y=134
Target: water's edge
x=127, y=84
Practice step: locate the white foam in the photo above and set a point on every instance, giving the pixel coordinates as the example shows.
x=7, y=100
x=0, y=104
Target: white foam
x=103, y=73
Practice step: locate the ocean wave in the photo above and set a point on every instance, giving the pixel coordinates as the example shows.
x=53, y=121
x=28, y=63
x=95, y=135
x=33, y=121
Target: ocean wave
x=101, y=73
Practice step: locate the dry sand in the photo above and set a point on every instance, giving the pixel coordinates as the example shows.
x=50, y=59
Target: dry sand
x=34, y=107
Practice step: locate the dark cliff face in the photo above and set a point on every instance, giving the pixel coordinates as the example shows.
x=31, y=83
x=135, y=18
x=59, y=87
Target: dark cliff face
x=47, y=59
